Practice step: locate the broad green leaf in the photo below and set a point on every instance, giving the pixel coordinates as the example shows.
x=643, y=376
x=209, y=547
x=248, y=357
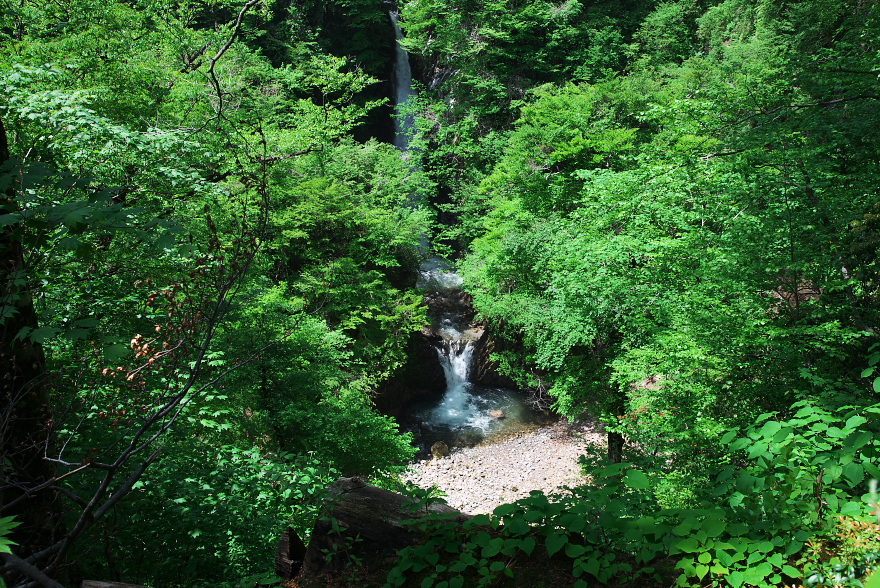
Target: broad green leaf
x=528, y=545
x=555, y=542
x=686, y=545
x=636, y=479
x=855, y=421
x=713, y=527
x=854, y=472
x=736, y=578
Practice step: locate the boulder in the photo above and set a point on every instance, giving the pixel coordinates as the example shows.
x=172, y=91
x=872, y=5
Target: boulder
x=483, y=369
x=497, y=414
x=364, y=524
x=289, y=555
x=439, y=450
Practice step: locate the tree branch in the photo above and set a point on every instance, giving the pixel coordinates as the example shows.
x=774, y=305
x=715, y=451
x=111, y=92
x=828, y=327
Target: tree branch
x=14, y=562
x=235, y=29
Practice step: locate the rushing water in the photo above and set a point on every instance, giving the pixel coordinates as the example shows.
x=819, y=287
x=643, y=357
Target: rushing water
x=463, y=414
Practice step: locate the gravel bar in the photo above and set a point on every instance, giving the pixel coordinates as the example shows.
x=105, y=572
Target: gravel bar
x=477, y=479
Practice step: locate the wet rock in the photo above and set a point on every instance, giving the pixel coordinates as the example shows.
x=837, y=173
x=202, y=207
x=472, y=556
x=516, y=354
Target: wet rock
x=483, y=369
x=496, y=414
x=439, y=450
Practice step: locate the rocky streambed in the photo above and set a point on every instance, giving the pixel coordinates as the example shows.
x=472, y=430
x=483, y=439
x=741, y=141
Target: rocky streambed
x=477, y=479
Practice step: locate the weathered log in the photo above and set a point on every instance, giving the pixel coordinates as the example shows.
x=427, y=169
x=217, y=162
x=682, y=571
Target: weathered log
x=100, y=584
x=364, y=525
x=289, y=555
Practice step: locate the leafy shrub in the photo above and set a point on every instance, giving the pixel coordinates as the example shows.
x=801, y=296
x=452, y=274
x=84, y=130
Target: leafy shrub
x=789, y=482
x=219, y=512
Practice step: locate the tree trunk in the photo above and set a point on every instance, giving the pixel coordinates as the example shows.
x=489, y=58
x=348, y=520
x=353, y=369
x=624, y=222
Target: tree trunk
x=24, y=390
x=615, y=447
x=615, y=439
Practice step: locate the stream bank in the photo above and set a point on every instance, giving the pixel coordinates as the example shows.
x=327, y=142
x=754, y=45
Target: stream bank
x=477, y=479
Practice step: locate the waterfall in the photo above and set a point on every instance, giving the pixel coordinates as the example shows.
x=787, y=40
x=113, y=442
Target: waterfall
x=458, y=407
x=467, y=413
x=403, y=89
x=451, y=317
x=464, y=415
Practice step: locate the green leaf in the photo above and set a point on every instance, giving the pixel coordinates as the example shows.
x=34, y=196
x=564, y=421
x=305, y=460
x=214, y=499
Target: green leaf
x=636, y=479
x=713, y=527
x=686, y=545
x=854, y=472
x=736, y=578
x=528, y=545
x=7, y=524
x=115, y=352
x=769, y=429
x=555, y=542
x=504, y=510
x=494, y=546
x=574, y=551
x=858, y=440
x=756, y=574
x=855, y=421
x=873, y=470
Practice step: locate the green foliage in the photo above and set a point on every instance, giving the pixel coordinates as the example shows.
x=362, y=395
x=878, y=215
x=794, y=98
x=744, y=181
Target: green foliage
x=791, y=481
x=7, y=524
x=502, y=49
x=655, y=245
x=221, y=511
x=671, y=215
x=217, y=269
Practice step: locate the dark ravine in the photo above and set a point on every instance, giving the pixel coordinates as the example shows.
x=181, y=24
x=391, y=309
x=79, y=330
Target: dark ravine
x=451, y=391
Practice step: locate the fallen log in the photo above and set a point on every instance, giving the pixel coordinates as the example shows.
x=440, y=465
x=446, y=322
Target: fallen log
x=364, y=525
x=102, y=584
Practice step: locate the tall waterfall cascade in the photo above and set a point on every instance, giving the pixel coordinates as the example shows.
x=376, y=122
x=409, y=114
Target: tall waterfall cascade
x=403, y=89
x=467, y=413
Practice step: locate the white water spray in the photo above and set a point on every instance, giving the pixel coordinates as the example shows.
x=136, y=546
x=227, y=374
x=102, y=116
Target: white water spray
x=459, y=408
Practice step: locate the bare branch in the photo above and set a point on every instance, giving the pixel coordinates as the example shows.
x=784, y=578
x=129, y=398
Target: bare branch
x=14, y=562
x=235, y=29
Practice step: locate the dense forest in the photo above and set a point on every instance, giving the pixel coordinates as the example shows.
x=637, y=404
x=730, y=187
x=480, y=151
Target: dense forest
x=667, y=214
